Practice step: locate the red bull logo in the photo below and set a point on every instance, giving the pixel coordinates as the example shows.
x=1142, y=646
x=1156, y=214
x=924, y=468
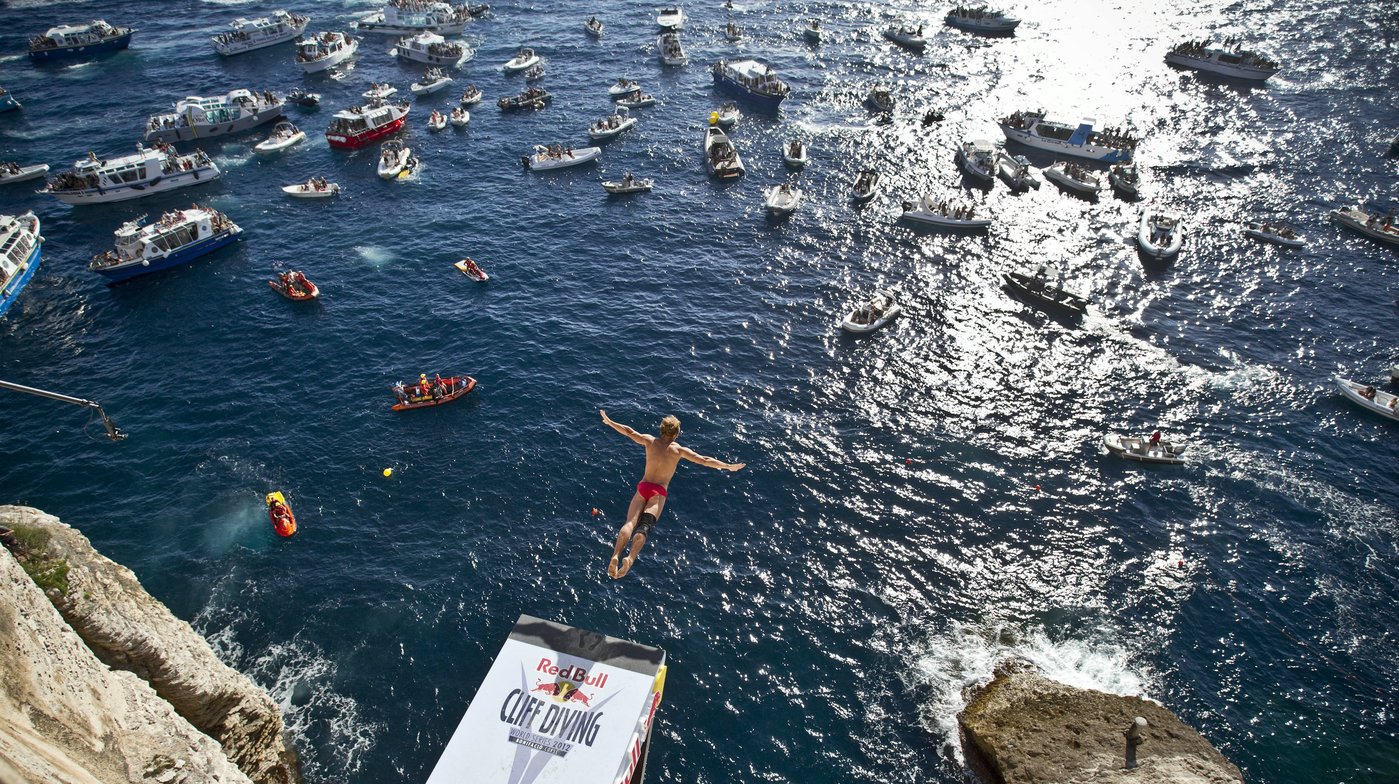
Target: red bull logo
x=572, y=674
x=563, y=691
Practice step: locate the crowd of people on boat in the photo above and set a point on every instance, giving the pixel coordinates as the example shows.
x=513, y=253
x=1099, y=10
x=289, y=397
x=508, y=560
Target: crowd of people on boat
x=425, y=390
x=11, y=167
x=291, y=21
x=534, y=74
x=452, y=50
x=979, y=13
x=433, y=76
x=1201, y=50
x=670, y=47
x=593, y=25
x=96, y=33
x=733, y=32
x=953, y=211
x=532, y=96
x=1278, y=230
x=556, y=152
x=796, y=149
x=1113, y=137
x=764, y=84
x=319, y=184
x=321, y=47
x=609, y=123
x=1382, y=223
x=870, y=312
x=294, y=282
x=472, y=94
x=1079, y=173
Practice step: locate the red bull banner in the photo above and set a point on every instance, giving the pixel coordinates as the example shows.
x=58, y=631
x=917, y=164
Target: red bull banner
x=560, y=705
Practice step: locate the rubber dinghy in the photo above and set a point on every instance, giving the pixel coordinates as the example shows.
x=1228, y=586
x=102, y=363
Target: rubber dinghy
x=1276, y=234
x=782, y=199
x=1366, y=396
x=1160, y=233
x=13, y=172
x=1143, y=451
x=422, y=395
x=545, y=159
x=872, y=314
x=314, y=188
x=279, y=514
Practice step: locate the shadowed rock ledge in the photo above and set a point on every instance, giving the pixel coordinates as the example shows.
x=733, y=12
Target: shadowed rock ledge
x=98, y=718
x=1022, y=728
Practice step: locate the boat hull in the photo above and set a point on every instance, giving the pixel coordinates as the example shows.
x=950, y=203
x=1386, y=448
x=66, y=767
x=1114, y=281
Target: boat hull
x=26, y=173
x=1275, y=239
x=297, y=192
x=1380, y=405
x=1035, y=293
x=426, y=401
x=763, y=101
x=9, y=104
x=1245, y=72
x=180, y=257
x=86, y=50
x=187, y=133
x=1078, y=150
x=242, y=47
x=364, y=138
x=944, y=222
x=1358, y=226
x=12, y=288
x=167, y=183
x=1001, y=26
x=1133, y=448
x=406, y=55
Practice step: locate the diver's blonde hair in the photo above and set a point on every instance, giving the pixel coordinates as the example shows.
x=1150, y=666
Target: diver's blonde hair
x=670, y=427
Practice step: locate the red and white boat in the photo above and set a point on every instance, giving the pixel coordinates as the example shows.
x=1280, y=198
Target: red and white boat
x=362, y=125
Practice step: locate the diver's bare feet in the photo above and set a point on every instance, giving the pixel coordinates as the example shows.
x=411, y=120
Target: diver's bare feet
x=612, y=568
x=626, y=566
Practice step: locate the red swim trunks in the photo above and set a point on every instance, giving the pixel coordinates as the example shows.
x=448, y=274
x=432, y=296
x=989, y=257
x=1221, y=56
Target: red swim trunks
x=650, y=489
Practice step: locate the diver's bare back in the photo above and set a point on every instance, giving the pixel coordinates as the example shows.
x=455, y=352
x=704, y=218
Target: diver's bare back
x=661, y=461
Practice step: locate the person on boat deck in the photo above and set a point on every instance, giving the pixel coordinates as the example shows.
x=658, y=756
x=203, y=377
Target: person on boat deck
x=1368, y=393
x=1155, y=439
x=663, y=456
x=422, y=384
x=401, y=392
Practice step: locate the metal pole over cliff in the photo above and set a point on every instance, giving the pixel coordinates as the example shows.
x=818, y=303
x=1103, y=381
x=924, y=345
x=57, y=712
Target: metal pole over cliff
x=113, y=432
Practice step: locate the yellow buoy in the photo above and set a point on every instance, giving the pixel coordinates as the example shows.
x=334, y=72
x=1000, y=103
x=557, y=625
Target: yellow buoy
x=713, y=118
x=388, y=472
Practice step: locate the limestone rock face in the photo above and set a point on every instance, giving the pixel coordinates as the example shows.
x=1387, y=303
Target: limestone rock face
x=130, y=630
x=67, y=719
x=1024, y=728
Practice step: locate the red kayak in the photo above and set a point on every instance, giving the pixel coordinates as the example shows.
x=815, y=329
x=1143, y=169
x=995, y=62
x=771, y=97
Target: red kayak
x=283, y=521
x=433, y=394
x=294, y=286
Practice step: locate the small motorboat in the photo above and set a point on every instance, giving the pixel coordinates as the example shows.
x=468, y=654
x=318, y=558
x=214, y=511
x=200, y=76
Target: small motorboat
x=671, y=51
x=425, y=393
x=872, y=314
x=1040, y=289
x=811, y=31
x=1125, y=179
x=279, y=513
x=733, y=32
x=980, y=19
x=284, y=135
x=395, y=159
x=613, y=125
x=1160, y=233
x=623, y=88
x=782, y=199
x=795, y=154
x=593, y=27
x=294, y=286
x=978, y=159
x=866, y=185
x=436, y=121
x=720, y=155
x=932, y=117
x=534, y=74
x=1274, y=233
x=472, y=96
x=1074, y=178
x=727, y=115
x=1366, y=396
x=433, y=80
x=1144, y=450
x=523, y=60
x=670, y=18
x=304, y=99
x=558, y=157
x=379, y=91
x=1016, y=171
x=1372, y=224
x=880, y=99
x=637, y=101
x=532, y=98
x=628, y=184
x=13, y=172
x=943, y=214
x=472, y=270
x=460, y=117
x=314, y=188
x=907, y=37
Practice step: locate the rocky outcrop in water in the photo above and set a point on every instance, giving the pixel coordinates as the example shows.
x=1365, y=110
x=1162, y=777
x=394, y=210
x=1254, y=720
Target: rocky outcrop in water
x=1022, y=728
x=132, y=632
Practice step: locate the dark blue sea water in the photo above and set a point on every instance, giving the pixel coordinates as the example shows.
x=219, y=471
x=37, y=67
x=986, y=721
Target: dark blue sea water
x=918, y=504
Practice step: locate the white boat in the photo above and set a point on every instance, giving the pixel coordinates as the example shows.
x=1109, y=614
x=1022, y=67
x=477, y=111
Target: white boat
x=559, y=157
x=727, y=116
x=907, y=37
x=431, y=49
x=202, y=118
x=1160, y=233
x=523, y=60
x=379, y=92
x=1033, y=129
x=782, y=199
x=314, y=188
x=637, y=101
x=179, y=237
x=284, y=135
x=534, y=74
x=943, y=214
x=733, y=32
x=1016, y=171
x=472, y=96
x=436, y=121
x=978, y=159
x=622, y=88
x=593, y=27
x=615, y=124
x=13, y=172
x=1367, y=396
x=1075, y=178
x=672, y=53
x=880, y=99
x=1226, y=60
x=1372, y=224
x=872, y=314
x=980, y=19
x=407, y=17
x=1275, y=233
x=21, y=252
x=150, y=170
x=460, y=117
x=795, y=154
x=327, y=50
x=866, y=185
x=670, y=18
x=1143, y=451
x=250, y=34
x=720, y=155
x=395, y=160
x=628, y=184
x=1125, y=179
x=811, y=31
x=433, y=80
